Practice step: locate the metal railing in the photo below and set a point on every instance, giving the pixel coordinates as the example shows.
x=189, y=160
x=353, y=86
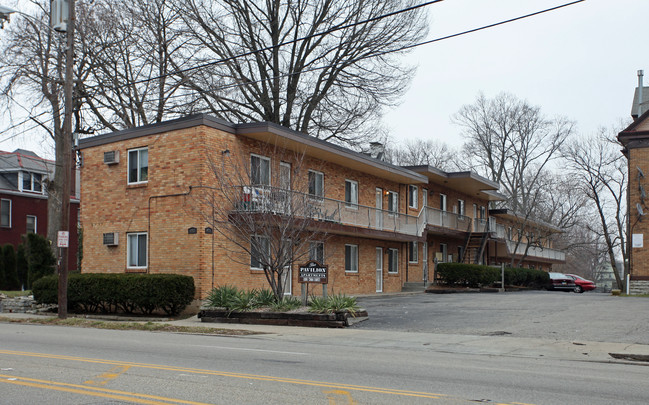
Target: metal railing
x=447, y=219
x=535, y=251
x=267, y=199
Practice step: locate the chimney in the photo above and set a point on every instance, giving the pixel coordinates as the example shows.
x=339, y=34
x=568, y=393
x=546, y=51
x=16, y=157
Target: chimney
x=640, y=88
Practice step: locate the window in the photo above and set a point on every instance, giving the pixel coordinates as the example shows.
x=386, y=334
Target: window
x=442, y=202
x=413, y=252
x=483, y=212
x=31, y=224
x=393, y=202
x=412, y=196
x=460, y=204
x=351, y=193
x=32, y=181
x=351, y=258
x=5, y=214
x=316, y=184
x=138, y=165
x=444, y=252
x=137, y=250
x=393, y=260
x=424, y=196
x=259, y=251
x=259, y=170
x=316, y=252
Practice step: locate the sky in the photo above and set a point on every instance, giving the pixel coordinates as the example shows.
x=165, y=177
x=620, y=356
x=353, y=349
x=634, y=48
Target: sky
x=579, y=62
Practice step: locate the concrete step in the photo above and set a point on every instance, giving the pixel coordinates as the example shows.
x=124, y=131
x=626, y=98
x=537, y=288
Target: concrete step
x=416, y=286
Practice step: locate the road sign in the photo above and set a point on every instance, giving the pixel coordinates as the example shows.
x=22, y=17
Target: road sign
x=313, y=272
x=63, y=239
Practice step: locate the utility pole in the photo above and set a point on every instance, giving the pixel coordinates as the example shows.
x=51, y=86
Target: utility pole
x=66, y=165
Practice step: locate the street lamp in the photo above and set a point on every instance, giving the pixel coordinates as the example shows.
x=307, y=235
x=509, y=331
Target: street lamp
x=5, y=12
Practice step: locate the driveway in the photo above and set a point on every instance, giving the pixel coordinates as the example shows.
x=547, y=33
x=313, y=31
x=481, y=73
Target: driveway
x=565, y=316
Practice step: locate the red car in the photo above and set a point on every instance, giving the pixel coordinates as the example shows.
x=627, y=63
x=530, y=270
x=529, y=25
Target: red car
x=561, y=282
x=581, y=284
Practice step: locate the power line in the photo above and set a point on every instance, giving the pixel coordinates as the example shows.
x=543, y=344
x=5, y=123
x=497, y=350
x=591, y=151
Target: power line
x=248, y=82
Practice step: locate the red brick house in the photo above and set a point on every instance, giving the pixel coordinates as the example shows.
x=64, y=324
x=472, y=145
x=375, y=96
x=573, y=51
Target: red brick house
x=23, y=199
x=385, y=224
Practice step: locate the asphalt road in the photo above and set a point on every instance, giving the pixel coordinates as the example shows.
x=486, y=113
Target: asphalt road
x=528, y=314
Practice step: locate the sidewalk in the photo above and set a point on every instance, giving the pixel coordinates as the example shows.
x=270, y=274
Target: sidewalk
x=609, y=352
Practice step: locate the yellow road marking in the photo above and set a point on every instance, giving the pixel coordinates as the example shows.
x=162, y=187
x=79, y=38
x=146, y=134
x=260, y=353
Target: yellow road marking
x=95, y=392
x=332, y=397
x=232, y=375
x=112, y=374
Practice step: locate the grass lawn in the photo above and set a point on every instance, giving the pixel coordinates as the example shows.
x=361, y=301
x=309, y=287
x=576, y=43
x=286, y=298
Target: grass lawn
x=13, y=294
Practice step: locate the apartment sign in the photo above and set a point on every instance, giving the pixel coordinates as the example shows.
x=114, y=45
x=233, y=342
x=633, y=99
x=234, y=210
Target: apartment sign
x=313, y=272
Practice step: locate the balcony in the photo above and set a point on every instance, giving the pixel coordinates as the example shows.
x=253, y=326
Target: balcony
x=266, y=199
x=535, y=252
x=447, y=220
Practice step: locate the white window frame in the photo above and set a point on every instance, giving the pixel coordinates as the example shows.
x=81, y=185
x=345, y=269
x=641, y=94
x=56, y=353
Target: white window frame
x=35, y=224
x=393, y=202
x=252, y=250
x=352, y=266
x=424, y=196
x=413, y=195
x=351, y=201
x=32, y=182
x=139, y=180
x=137, y=235
x=316, y=251
x=4, y=200
x=393, y=261
x=461, y=208
x=316, y=176
x=413, y=252
x=253, y=180
x=443, y=202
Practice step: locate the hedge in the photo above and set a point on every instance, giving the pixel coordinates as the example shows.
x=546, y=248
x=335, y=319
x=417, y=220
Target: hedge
x=474, y=275
x=113, y=293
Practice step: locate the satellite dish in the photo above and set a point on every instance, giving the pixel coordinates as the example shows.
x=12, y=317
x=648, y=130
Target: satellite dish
x=640, y=172
x=643, y=194
x=639, y=208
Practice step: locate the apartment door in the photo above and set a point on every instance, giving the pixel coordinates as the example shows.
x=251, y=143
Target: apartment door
x=379, y=208
x=284, y=194
x=379, y=269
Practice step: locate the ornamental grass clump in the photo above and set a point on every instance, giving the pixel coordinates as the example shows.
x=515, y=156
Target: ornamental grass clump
x=333, y=303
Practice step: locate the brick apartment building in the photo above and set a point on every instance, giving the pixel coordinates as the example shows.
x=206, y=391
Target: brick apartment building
x=635, y=139
x=23, y=198
x=385, y=227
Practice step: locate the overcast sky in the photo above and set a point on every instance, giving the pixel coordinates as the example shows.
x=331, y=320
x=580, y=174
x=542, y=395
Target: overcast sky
x=580, y=61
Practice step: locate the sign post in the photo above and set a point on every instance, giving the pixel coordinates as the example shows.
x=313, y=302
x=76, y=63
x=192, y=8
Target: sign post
x=313, y=272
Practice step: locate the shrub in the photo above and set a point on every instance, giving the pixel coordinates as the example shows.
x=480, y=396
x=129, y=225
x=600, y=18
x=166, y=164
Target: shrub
x=22, y=266
x=222, y=296
x=474, y=275
x=11, y=272
x=40, y=259
x=287, y=304
x=111, y=293
x=333, y=303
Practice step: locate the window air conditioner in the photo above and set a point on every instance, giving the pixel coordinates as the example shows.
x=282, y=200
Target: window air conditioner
x=111, y=157
x=111, y=239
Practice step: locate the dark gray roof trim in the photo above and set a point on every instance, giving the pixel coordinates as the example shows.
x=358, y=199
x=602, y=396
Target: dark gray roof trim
x=467, y=174
x=243, y=129
x=152, y=129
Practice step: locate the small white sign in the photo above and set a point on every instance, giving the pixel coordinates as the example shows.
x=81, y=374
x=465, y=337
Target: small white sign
x=63, y=239
x=638, y=240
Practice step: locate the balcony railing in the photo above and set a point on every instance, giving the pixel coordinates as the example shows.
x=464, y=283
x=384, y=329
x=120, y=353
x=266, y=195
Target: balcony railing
x=535, y=251
x=263, y=199
x=447, y=219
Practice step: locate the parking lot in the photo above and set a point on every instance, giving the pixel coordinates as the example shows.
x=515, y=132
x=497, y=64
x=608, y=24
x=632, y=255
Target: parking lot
x=531, y=314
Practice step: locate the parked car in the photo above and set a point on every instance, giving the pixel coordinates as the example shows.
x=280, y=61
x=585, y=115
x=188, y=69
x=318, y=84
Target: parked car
x=561, y=282
x=581, y=284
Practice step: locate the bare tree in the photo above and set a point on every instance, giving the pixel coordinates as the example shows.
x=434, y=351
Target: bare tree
x=320, y=67
x=271, y=222
x=423, y=152
x=601, y=169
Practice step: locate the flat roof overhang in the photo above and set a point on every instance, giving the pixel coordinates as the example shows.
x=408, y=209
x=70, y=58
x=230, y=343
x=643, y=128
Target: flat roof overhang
x=466, y=182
